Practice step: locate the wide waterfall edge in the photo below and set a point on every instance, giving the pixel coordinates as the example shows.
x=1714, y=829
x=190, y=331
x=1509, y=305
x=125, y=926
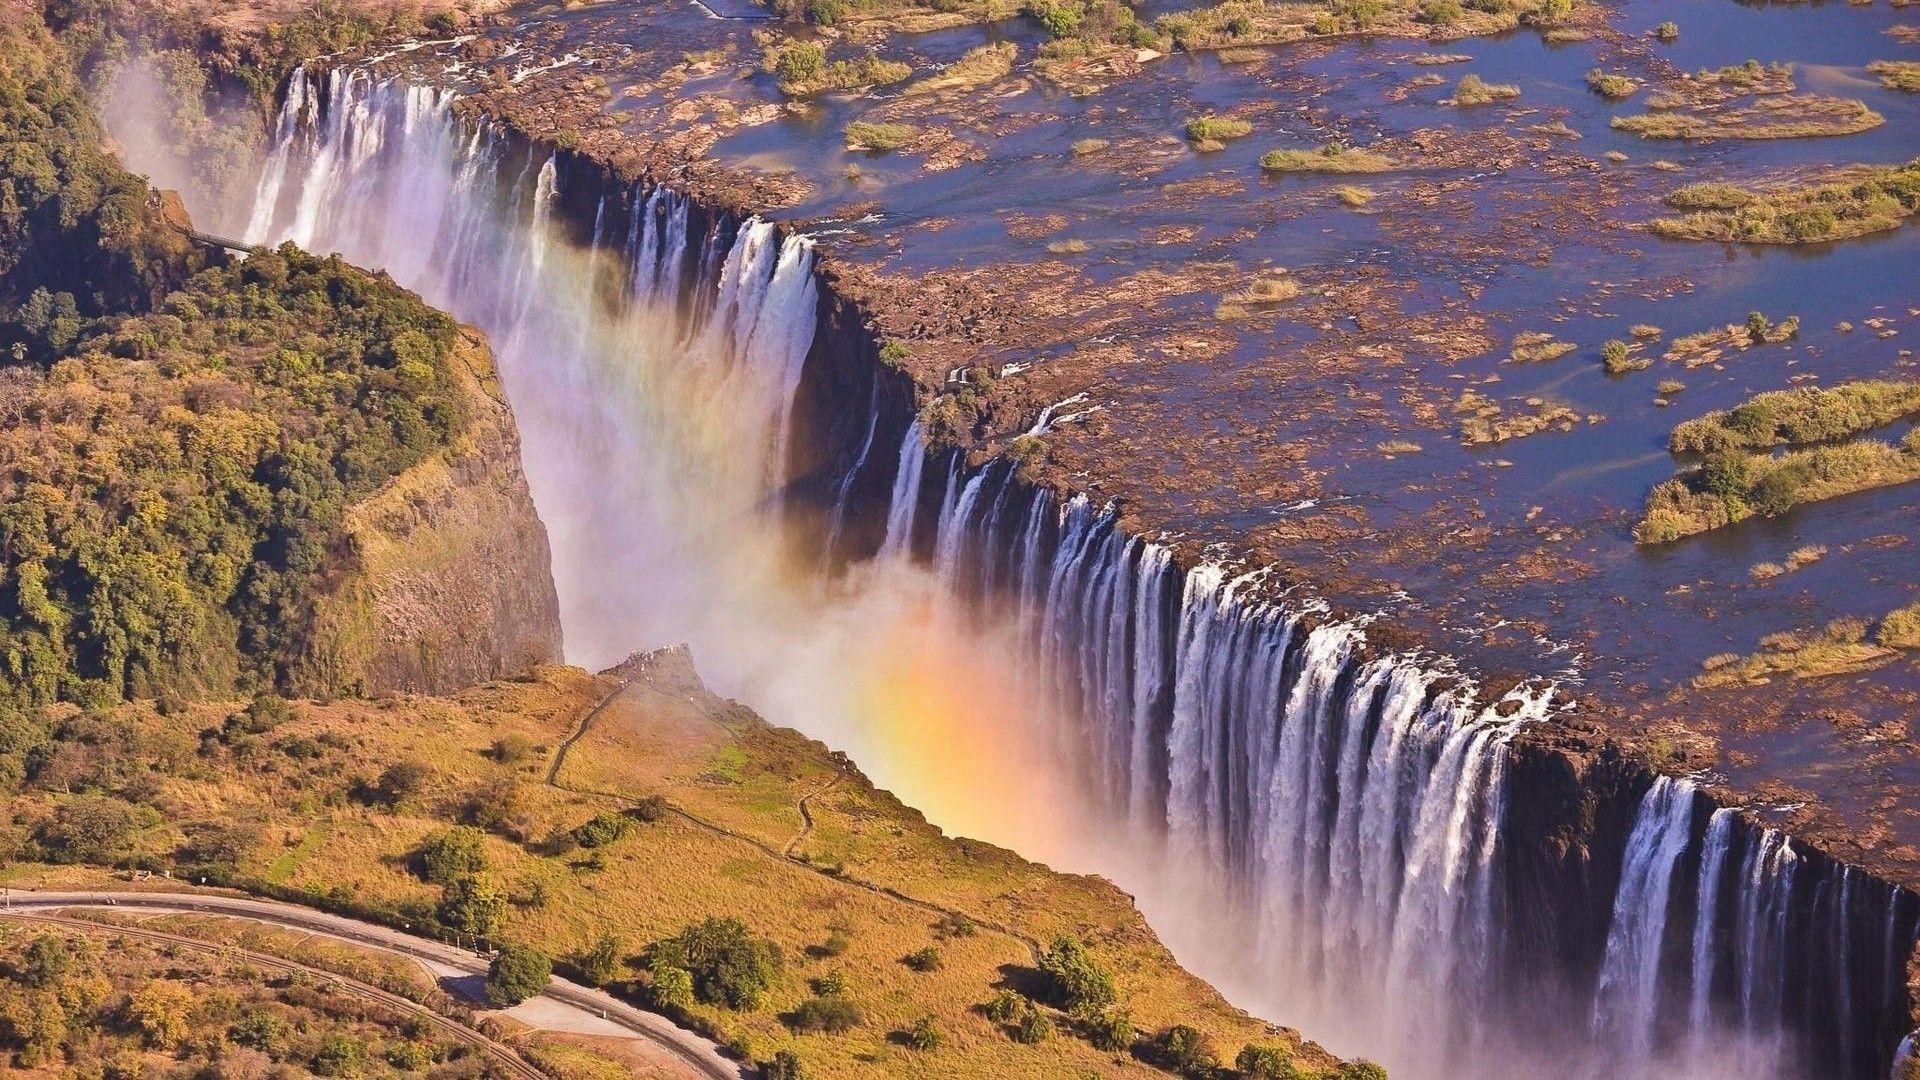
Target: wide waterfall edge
x=588, y=179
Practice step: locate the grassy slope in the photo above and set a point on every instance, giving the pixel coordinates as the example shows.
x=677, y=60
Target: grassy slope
x=736, y=784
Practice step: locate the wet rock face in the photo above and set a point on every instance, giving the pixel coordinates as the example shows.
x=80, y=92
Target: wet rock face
x=451, y=582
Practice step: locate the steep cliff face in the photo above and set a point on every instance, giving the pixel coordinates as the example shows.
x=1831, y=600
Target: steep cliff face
x=448, y=581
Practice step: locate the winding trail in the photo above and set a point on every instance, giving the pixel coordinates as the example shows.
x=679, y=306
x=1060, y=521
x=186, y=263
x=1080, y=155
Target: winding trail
x=806, y=817
x=687, y=1047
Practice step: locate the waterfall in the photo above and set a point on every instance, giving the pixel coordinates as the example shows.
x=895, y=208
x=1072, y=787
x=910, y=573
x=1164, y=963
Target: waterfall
x=1627, y=1004
x=1326, y=824
x=906, y=492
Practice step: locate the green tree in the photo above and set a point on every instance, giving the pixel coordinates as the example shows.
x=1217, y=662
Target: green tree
x=162, y=1009
x=446, y=857
x=672, y=988
x=473, y=905
x=47, y=962
x=338, y=1054
x=604, y=962
x=1081, y=984
x=1362, y=1069
x=517, y=973
x=730, y=965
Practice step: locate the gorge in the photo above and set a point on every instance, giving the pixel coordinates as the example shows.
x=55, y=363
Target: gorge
x=1410, y=862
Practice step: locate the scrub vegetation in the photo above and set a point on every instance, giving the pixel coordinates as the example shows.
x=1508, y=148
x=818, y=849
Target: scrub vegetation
x=1798, y=417
x=803, y=70
x=1865, y=200
x=1731, y=486
x=1842, y=646
x=1903, y=75
x=1473, y=90
x=1331, y=158
x=862, y=135
x=1784, y=116
x=1213, y=132
x=90, y=1002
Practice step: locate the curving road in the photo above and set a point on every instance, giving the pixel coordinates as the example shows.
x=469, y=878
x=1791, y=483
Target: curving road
x=701, y=1055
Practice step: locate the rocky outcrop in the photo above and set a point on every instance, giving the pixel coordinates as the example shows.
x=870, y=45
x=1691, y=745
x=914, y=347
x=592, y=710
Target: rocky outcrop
x=449, y=580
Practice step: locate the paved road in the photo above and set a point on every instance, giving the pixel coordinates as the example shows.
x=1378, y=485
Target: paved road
x=684, y=1045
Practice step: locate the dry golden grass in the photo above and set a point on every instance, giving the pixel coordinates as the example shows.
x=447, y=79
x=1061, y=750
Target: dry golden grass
x=1836, y=649
x=1783, y=116
x=986, y=64
x=871, y=870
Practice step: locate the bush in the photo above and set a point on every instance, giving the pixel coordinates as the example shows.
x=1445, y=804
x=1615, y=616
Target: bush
x=1615, y=357
x=729, y=964
x=512, y=750
x=517, y=973
x=1080, y=984
x=1032, y=1028
x=1473, y=90
x=400, y=784
x=925, y=1035
x=604, y=962
x=862, y=135
x=1264, y=1062
x=1612, y=87
x=1111, y=1031
x=1216, y=129
x=651, y=809
x=927, y=959
x=1362, y=1069
x=459, y=852
x=472, y=905
x=784, y=1065
x=338, y=1055
x=1005, y=1007
x=602, y=829
x=1185, y=1050
x=800, y=63
x=833, y=1015
x=671, y=989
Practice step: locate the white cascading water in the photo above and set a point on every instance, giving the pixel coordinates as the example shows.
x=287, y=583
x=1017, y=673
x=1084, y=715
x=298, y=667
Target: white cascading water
x=1315, y=827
